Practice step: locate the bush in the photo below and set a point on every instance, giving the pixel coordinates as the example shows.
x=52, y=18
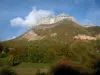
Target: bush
x=2, y=55
x=13, y=60
x=10, y=60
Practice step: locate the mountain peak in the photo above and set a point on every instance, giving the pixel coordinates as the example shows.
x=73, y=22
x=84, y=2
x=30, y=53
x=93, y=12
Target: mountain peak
x=63, y=15
x=54, y=19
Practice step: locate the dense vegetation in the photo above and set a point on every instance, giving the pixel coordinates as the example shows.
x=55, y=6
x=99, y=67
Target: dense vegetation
x=83, y=53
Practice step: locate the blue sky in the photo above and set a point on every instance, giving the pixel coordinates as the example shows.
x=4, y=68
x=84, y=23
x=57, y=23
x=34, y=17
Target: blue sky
x=16, y=15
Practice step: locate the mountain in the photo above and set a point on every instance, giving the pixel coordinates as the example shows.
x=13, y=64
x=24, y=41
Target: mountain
x=63, y=30
x=62, y=27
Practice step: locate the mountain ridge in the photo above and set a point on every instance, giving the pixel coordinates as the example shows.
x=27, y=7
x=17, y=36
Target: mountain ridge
x=62, y=29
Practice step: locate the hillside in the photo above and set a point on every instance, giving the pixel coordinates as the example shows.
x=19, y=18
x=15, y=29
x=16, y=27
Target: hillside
x=62, y=30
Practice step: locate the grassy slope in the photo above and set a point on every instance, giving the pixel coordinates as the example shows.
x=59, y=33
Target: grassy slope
x=63, y=27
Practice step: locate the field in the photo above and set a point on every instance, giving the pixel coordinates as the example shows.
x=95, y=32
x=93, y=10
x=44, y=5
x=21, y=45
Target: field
x=30, y=68
x=26, y=68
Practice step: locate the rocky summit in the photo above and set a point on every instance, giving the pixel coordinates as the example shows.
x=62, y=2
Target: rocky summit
x=54, y=19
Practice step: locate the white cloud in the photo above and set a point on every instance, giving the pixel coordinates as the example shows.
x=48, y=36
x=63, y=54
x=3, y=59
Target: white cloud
x=32, y=18
x=17, y=21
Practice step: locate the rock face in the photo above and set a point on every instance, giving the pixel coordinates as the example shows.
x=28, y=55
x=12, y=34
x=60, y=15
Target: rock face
x=54, y=19
x=84, y=37
x=30, y=35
